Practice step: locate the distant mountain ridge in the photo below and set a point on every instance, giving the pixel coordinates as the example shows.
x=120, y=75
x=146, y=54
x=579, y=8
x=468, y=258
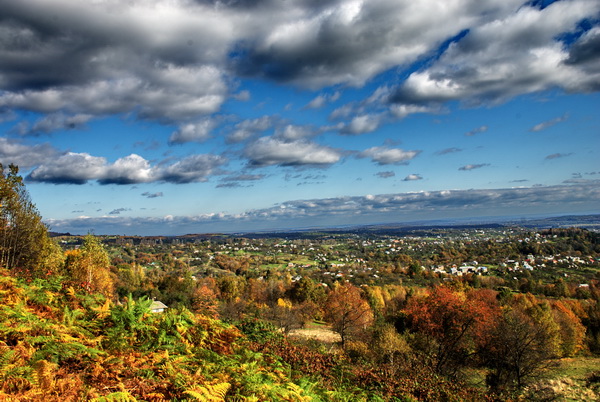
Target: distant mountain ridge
x=590, y=222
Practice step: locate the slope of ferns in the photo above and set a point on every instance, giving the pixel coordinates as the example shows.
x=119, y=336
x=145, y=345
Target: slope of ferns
x=56, y=344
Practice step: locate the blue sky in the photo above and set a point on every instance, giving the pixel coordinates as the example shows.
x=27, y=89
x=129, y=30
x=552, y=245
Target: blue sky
x=192, y=116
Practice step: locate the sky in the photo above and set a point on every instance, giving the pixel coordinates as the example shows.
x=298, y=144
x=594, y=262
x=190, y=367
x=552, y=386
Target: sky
x=166, y=117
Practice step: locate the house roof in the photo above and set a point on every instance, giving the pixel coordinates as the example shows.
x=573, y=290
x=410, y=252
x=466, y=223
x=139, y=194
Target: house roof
x=157, y=305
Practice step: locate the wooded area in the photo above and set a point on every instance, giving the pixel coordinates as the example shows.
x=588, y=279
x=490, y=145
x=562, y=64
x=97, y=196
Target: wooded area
x=418, y=317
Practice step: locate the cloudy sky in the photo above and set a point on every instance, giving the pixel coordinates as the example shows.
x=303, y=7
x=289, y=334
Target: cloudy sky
x=191, y=116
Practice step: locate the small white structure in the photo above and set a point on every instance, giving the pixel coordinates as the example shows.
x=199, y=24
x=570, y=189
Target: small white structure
x=157, y=307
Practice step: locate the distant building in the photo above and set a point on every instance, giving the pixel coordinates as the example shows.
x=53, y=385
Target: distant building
x=158, y=307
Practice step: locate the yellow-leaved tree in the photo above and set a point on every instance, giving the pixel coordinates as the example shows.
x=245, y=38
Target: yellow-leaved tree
x=25, y=246
x=89, y=267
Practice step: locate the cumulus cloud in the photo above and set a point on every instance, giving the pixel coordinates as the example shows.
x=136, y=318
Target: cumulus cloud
x=478, y=130
x=53, y=122
x=80, y=168
x=128, y=170
x=248, y=128
x=294, y=133
x=328, y=211
x=506, y=56
x=194, y=168
x=105, y=57
x=242, y=96
x=361, y=125
x=70, y=168
x=26, y=156
x=321, y=100
x=402, y=111
x=175, y=61
x=585, y=55
x=348, y=42
x=475, y=166
x=385, y=175
x=412, y=177
x=549, y=123
x=193, y=132
x=388, y=156
x=268, y=151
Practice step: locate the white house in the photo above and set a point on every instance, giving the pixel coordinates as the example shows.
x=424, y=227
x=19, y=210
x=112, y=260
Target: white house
x=158, y=307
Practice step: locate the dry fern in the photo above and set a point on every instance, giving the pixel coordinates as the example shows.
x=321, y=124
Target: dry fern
x=210, y=392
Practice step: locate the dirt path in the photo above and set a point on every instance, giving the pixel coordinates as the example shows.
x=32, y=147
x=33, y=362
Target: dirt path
x=321, y=334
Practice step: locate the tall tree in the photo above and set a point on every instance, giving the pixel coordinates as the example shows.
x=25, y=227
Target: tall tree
x=24, y=242
x=346, y=310
x=89, y=267
x=453, y=323
x=525, y=341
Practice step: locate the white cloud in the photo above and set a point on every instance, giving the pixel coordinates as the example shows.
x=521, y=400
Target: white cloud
x=70, y=168
x=79, y=168
x=294, y=133
x=193, y=132
x=54, y=122
x=386, y=174
x=247, y=128
x=194, y=168
x=388, y=156
x=367, y=209
x=402, y=111
x=473, y=166
x=26, y=156
x=513, y=54
x=549, y=123
x=478, y=130
x=362, y=124
x=412, y=177
x=175, y=61
x=321, y=100
x=128, y=170
x=272, y=151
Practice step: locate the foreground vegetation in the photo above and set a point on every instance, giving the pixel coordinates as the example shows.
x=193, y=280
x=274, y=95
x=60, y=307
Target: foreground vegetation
x=472, y=314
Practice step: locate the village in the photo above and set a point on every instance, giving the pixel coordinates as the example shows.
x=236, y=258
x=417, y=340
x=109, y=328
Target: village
x=487, y=257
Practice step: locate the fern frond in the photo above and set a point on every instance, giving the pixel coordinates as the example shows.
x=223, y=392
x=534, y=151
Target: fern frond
x=71, y=291
x=103, y=310
x=116, y=397
x=210, y=392
x=44, y=374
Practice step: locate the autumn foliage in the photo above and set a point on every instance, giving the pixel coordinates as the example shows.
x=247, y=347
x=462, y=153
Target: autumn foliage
x=349, y=314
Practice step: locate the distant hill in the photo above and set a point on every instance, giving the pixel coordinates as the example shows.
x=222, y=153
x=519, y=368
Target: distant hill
x=590, y=222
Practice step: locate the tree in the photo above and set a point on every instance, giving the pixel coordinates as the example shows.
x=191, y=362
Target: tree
x=571, y=330
x=523, y=343
x=348, y=312
x=286, y=316
x=204, y=301
x=307, y=290
x=454, y=324
x=24, y=241
x=388, y=346
x=89, y=267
